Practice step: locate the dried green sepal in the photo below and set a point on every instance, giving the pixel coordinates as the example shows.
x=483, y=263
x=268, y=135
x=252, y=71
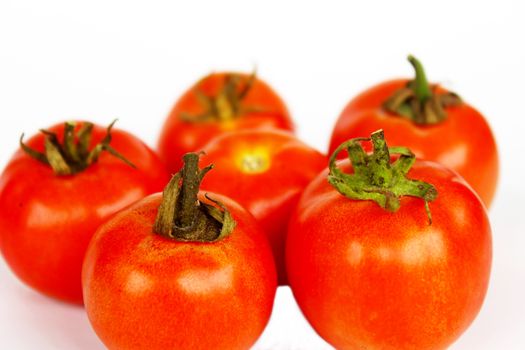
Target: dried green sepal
x=72, y=155
x=228, y=103
x=182, y=216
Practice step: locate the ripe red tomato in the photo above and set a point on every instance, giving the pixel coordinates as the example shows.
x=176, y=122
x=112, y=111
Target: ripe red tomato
x=219, y=103
x=146, y=291
x=47, y=220
x=265, y=171
x=368, y=278
x=442, y=128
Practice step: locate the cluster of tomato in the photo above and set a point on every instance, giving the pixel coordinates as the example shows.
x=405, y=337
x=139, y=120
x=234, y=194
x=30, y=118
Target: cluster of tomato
x=384, y=250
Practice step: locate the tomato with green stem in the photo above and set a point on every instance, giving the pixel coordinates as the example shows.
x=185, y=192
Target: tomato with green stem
x=266, y=172
x=379, y=260
x=219, y=103
x=434, y=123
x=182, y=270
x=58, y=188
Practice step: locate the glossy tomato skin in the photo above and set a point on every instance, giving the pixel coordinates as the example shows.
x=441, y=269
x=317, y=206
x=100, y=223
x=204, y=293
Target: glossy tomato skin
x=143, y=291
x=463, y=141
x=179, y=136
x=366, y=278
x=46, y=221
x=271, y=192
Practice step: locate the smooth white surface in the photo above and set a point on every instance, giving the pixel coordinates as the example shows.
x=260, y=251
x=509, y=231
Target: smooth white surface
x=100, y=60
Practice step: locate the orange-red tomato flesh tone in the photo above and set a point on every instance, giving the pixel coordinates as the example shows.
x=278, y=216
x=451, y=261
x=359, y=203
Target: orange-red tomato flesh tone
x=145, y=291
x=47, y=221
x=260, y=107
x=266, y=172
x=367, y=278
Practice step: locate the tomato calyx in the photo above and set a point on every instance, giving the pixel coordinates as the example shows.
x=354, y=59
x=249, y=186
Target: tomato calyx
x=419, y=101
x=182, y=216
x=227, y=104
x=376, y=178
x=72, y=155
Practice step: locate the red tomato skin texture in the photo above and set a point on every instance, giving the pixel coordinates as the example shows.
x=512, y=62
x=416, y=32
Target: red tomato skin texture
x=179, y=137
x=366, y=278
x=143, y=291
x=271, y=195
x=463, y=142
x=46, y=221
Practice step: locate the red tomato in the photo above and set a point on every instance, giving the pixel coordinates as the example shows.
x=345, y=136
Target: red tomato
x=367, y=278
x=265, y=171
x=219, y=103
x=462, y=140
x=46, y=220
x=145, y=291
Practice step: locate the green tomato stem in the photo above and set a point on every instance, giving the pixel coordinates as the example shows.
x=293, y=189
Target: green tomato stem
x=418, y=102
x=376, y=178
x=420, y=83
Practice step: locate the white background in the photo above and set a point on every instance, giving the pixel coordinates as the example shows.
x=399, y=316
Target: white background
x=129, y=59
